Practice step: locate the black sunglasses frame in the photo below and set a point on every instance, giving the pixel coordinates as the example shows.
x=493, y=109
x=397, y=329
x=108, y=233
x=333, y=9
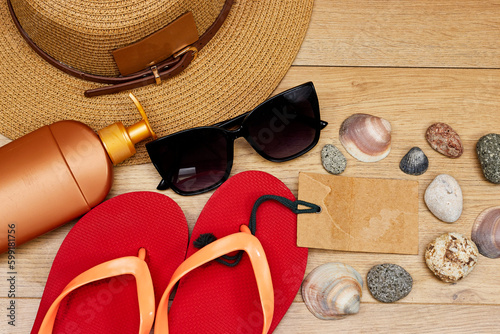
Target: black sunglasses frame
x=230, y=136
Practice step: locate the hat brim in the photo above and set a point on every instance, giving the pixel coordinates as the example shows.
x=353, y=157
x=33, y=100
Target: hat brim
x=240, y=67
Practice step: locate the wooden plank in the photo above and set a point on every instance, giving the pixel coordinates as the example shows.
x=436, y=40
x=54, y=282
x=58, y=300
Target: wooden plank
x=25, y=313
x=396, y=318
x=372, y=318
x=406, y=33
x=411, y=99
x=4, y=140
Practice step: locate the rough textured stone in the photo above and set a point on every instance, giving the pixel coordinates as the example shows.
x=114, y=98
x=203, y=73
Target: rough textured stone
x=451, y=256
x=333, y=160
x=389, y=282
x=444, y=140
x=444, y=198
x=488, y=152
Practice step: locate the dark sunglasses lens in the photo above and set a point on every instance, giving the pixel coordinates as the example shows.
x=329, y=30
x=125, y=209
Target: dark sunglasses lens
x=195, y=160
x=287, y=125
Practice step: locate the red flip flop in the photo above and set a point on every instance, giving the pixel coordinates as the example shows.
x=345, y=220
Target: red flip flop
x=91, y=287
x=216, y=298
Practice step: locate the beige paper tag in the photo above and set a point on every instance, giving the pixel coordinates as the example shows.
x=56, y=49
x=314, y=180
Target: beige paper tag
x=359, y=214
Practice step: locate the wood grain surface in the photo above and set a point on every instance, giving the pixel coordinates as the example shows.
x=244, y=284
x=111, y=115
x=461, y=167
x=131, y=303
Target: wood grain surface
x=413, y=63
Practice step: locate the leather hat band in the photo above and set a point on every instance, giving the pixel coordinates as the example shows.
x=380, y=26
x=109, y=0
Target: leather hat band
x=163, y=70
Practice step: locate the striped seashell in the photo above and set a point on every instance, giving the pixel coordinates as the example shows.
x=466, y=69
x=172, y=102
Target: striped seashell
x=366, y=137
x=486, y=232
x=415, y=162
x=332, y=291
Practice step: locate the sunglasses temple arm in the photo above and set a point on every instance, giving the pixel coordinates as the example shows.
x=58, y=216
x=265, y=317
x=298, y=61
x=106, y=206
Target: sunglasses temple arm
x=163, y=185
x=239, y=119
x=232, y=122
x=312, y=122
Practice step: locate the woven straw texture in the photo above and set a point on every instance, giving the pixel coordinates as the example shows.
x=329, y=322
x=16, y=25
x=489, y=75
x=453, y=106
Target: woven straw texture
x=82, y=36
x=238, y=69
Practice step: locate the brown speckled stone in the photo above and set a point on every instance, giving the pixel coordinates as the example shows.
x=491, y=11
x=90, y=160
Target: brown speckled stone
x=444, y=140
x=451, y=256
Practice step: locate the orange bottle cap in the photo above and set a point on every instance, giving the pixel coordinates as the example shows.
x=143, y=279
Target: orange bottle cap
x=119, y=141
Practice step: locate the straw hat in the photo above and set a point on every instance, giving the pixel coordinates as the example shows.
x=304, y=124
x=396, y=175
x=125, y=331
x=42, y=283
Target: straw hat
x=237, y=69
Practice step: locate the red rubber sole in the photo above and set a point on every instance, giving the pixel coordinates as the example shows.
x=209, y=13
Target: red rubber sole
x=116, y=228
x=220, y=299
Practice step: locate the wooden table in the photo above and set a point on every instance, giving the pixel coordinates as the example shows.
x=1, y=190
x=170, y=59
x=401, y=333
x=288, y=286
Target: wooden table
x=413, y=63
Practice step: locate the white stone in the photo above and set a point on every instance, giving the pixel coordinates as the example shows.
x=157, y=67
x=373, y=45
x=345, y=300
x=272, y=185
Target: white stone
x=444, y=198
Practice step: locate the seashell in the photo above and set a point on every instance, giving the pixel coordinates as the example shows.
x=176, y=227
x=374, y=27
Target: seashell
x=444, y=140
x=332, y=291
x=415, y=162
x=332, y=159
x=444, y=198
x=451, y=256
x=486, y=232
x=366, y=137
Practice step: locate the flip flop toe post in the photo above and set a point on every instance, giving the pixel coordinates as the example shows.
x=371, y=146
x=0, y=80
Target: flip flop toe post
x=218, y=298
x=242, y=241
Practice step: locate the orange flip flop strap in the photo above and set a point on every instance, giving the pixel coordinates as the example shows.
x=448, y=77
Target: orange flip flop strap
x=234, y=242
x=121, y=266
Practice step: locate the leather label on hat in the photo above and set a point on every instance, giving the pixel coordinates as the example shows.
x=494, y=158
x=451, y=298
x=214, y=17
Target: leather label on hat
x=157, y=46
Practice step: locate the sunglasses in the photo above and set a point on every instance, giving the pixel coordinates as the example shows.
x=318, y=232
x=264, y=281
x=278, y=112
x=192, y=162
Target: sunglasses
x=198, y=160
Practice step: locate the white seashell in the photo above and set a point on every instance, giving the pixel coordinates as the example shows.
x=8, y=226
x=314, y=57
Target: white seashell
x=366, y=137
x=444, y=198
x=486, y=232
x=332, y=291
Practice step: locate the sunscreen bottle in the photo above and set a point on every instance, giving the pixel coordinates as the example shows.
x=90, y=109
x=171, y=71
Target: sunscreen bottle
x=59, y=172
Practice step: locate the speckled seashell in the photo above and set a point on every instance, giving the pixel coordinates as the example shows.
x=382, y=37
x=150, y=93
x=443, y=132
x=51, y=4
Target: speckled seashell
x=486, y=232
x=366, y=137
x=415, y=162
x=444, y=140
x=451, y=256
x=332, y=291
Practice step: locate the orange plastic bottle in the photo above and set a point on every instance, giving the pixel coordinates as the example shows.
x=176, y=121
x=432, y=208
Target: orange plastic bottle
x=58, y=172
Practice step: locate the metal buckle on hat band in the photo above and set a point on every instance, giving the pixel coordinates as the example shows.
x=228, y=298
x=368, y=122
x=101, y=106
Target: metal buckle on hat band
x=161, y=71
x=148, y=77
x=187, y=49
x=154, y=69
